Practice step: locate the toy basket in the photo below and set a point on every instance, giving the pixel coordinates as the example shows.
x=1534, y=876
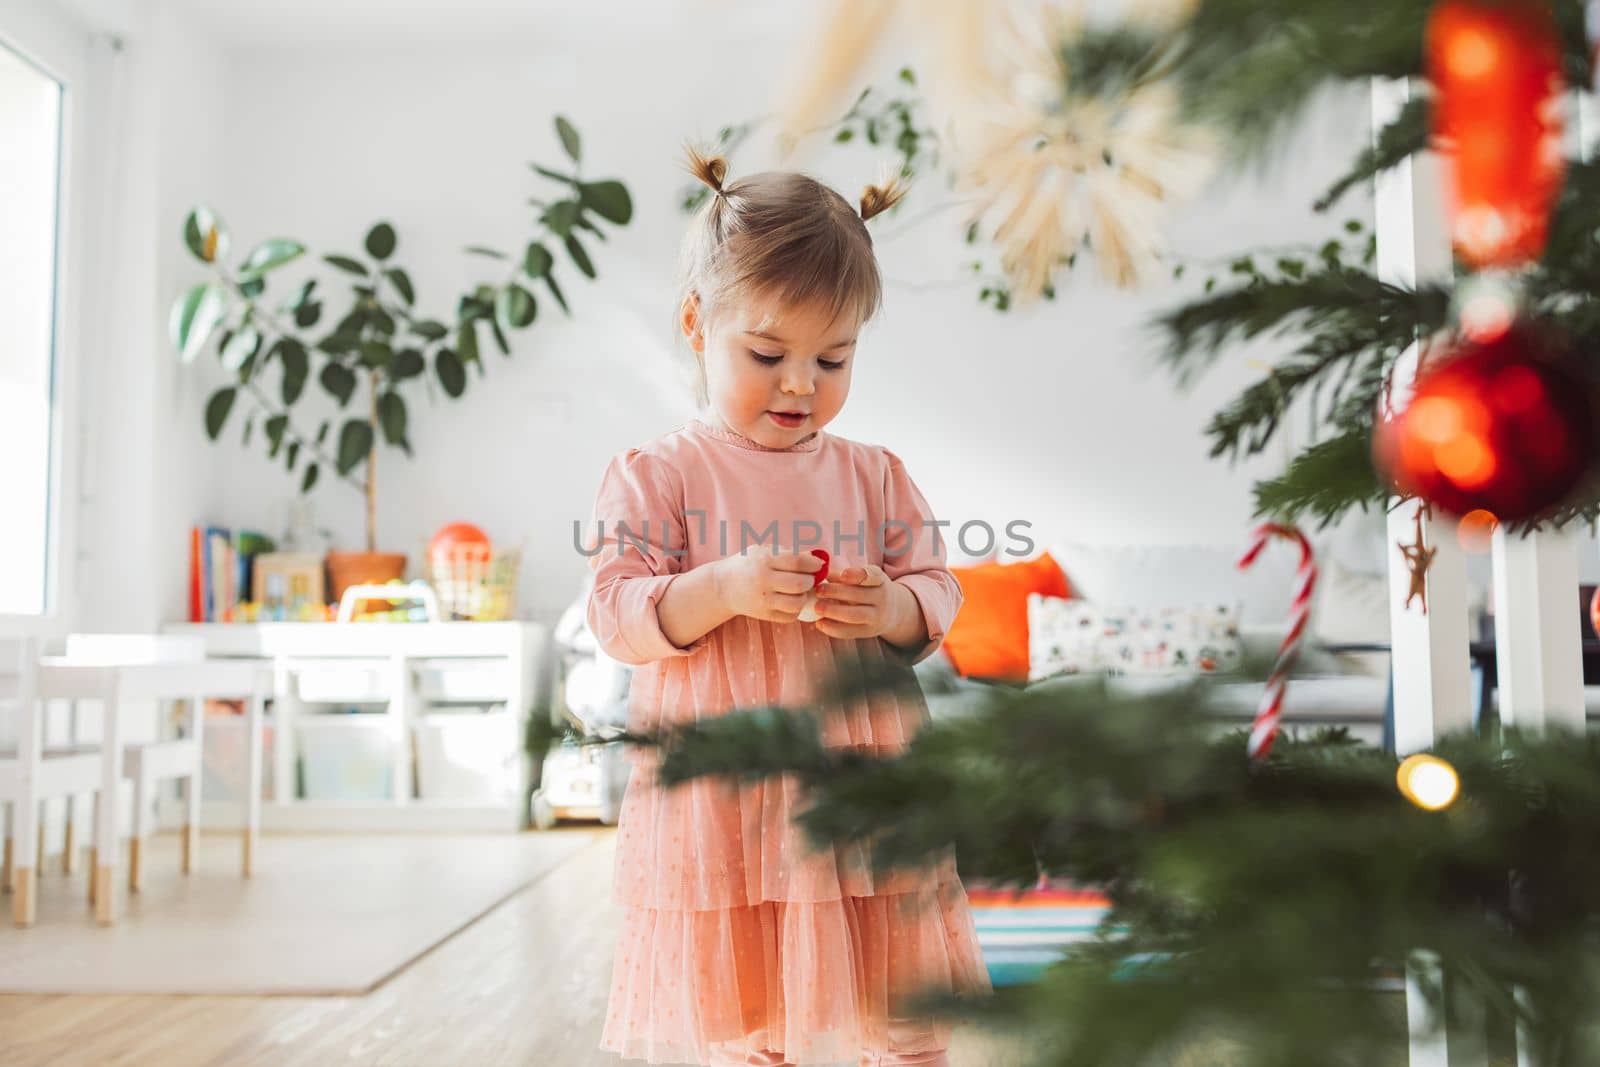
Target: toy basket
x=475, y=584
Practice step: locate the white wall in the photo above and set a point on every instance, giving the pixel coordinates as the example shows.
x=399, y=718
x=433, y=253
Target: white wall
x=1058, y=415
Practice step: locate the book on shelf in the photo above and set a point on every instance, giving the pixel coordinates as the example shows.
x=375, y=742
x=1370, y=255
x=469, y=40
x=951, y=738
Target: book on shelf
x=220, y=566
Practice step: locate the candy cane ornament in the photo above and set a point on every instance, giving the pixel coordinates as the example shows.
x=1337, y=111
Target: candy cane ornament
x=1270, y=713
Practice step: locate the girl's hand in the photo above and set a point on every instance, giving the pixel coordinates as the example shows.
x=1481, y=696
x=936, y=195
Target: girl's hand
x=860, y=602
x=765, y=585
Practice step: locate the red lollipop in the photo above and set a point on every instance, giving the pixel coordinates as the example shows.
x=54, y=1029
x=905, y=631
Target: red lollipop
x=822, y=575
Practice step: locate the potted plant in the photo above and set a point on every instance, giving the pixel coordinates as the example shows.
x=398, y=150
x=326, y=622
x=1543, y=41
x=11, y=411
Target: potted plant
x=367, y=350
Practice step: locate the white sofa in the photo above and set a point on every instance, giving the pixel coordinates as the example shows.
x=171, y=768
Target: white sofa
x=1328, y=690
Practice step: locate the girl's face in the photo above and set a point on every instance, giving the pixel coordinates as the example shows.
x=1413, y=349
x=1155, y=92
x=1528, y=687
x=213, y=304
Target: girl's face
x=775, y=373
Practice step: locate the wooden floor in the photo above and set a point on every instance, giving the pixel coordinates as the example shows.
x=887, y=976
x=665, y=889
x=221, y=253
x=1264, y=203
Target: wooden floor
x=525, y=985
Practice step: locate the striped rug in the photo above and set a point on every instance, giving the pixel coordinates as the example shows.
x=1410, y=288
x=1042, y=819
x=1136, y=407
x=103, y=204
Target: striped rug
x=1022, y=932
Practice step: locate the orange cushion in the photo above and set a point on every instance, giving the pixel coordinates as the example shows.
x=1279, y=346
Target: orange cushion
x=989, y=638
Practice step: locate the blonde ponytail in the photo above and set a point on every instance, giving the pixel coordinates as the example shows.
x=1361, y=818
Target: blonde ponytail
x=711, y=169
x=881, y=196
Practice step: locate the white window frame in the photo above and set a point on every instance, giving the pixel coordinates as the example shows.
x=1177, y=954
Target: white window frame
x=60, y=48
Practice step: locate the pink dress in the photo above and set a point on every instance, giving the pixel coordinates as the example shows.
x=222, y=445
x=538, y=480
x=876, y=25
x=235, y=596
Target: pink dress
x=737, y=932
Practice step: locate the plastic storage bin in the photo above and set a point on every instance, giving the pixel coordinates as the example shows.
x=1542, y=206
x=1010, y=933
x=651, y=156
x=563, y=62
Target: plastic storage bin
x=468, y=755
x=224, y=768
x=346, y=757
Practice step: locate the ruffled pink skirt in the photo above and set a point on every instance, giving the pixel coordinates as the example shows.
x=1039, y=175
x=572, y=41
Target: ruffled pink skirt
x=736, y=931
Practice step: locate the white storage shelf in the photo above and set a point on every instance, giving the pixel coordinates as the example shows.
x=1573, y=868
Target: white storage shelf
x=389, y=726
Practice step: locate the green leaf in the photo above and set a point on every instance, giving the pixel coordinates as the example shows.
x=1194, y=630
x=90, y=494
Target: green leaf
x=402, y=284
x=537, y=261
x=217, y=409
x=346, y=264
x=467, y=342
x=452, y=375
x=471, y=307
x=322, y=432
x=244, y=343
x=492, y=253
x=382, y=322
x=429, y=329
x=555, y=291
x=408, y=363
x=844, y=135
x=309, y=479
x=569, y=137
x=339, y=381
x=579, y=256
x=275, y=426
x=205, y=235
x=301, y=297
x=195, y=316
x=293, y=457
x=499, y=338
x=308, y=315
x=296, y=367
x=353, y=323
x=392, y=417
x=609, y=200
x=376, y=354
x=560, y=217
x=252, y=288
x=340, y=342
x=269, y=255
x=249, y=425
x=556, y=175
x=355, y=443
x=906, y=75
x=381, y=241
x=516, y=307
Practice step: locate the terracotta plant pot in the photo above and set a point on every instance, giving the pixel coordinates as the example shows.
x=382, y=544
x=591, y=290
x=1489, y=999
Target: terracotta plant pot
x=358, y=568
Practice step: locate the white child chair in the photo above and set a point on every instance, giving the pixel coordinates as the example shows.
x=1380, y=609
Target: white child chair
x=31, y=773
x=166, y=667
x=112, y=669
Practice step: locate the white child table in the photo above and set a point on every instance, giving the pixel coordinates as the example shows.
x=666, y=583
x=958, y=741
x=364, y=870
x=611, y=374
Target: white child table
x=61, y=678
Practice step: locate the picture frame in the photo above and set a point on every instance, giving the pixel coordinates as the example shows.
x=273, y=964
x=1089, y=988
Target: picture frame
x=300, y=573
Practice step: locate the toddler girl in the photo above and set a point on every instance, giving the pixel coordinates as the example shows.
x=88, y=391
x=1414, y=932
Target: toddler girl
x=740, y=942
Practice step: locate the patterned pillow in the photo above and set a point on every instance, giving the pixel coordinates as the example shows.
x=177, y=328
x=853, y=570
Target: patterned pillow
x=1064, y=637
x=1073, y=636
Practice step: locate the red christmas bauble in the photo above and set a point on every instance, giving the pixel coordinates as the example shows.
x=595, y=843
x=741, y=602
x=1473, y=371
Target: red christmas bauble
x=458, y=536
x=1502, y=425
x=1496, y=71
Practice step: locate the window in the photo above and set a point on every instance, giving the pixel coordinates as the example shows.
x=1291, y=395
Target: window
x=30, y=166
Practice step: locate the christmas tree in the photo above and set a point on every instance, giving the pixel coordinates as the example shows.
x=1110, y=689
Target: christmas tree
x=1264, y=903
x=1260, y=908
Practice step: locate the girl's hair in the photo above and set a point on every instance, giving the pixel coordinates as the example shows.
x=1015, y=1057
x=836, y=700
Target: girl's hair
x=784, y=233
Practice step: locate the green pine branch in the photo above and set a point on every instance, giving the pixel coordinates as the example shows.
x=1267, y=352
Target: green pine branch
x=1323, y=482
x=1255, y=907
x=1394, y=144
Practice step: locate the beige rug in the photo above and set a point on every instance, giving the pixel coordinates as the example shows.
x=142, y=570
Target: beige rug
x=325, y=914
